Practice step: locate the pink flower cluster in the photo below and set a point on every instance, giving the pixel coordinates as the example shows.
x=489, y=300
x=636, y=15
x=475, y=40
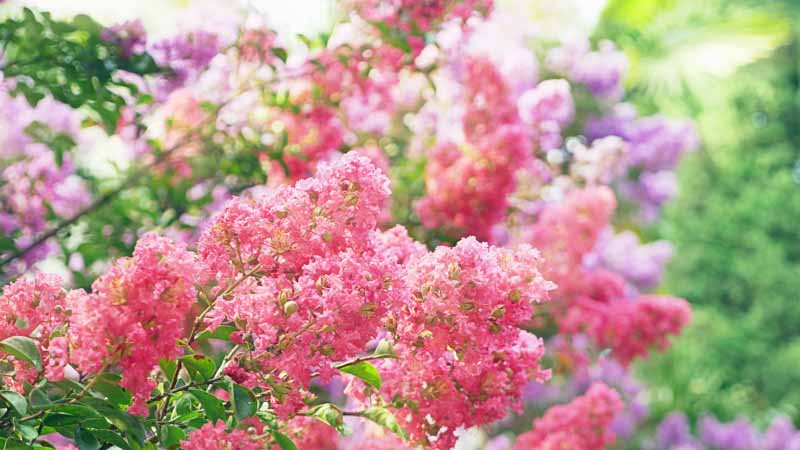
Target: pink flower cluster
x=134, y=315
x=565, y=232
x=593, y=300
x=462, y=359
x=216, y=436
x=312, y=434
x=581, y=424
x=630, y=327
x=325, y=283
x=416, y=16
x=313, y=136
x=35, y=308
x=329, y=283
x=467, y=185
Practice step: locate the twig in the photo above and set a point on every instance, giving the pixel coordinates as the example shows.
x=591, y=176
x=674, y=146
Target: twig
x=185, y=387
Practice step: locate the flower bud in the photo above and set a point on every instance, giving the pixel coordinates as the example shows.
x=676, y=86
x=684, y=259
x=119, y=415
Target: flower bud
x=499, y=312
x=290, y=307
x=454, y=271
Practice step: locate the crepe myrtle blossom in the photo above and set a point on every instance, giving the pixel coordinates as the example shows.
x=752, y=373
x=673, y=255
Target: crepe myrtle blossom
x=504, y=228
x=581, y=424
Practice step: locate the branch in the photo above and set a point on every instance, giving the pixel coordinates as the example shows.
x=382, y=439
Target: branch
x=97, y=204
x=198, y=322
x=355, y=361
x=185, y=387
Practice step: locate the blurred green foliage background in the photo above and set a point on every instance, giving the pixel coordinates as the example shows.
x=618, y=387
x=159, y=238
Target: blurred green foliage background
x=734, y=67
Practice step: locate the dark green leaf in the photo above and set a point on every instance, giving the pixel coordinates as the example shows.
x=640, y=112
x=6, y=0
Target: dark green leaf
x=58, y=420
x=223, y=333
x=27, y=432
x=108, y=385
x=171, y=436
x=122, y=420
x=280, y=53
x=283, y=441
x=243, y=400
x=200, y=367
x=168, y=367
x=85, y=440
x=40, y=399
x=214, y=408
x=111, y=437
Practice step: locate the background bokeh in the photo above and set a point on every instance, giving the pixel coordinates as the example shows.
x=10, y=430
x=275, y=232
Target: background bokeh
x=731, y=65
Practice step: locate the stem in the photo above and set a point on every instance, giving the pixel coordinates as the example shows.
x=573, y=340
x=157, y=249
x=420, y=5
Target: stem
x=355, y=361
x=228, y=357
x=128, y=183
x=185, y=387
x=95, y=205
x=75, y=399
x=198, y=323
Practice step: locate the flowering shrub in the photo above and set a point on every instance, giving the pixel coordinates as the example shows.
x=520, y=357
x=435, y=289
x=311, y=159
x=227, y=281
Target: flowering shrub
x=382, y=241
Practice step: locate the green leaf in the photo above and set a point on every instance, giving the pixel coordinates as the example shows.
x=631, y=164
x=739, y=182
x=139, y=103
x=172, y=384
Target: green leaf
x=283, y=441
x=23, y=348
x=222, y=332
x=168, y=367
x=120, y=419
x=386, y=419
x=111, y=438
x=28, y=432
x=365, y=371
x=200, y=367
x=329, y=414
x=59, y=420
x=280, y=53
x=13, y=444
x=85, y=440
x=636, y=13
x=40, y=399
x=16, y=401
x=393, y=36
x=78, y=410
x=172, y=436
x=243, y=400
x=214, y=408
x=107, y=384
x=60, y=143
x=7, y=244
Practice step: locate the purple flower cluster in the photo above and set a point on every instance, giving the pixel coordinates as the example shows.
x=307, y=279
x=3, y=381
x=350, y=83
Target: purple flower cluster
x=674, y=433
x=654, y=148
x=656, y=143
x=186, y=55
x=130, y=36
x=33, y=186
x=601, y=71
x=641, y=264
